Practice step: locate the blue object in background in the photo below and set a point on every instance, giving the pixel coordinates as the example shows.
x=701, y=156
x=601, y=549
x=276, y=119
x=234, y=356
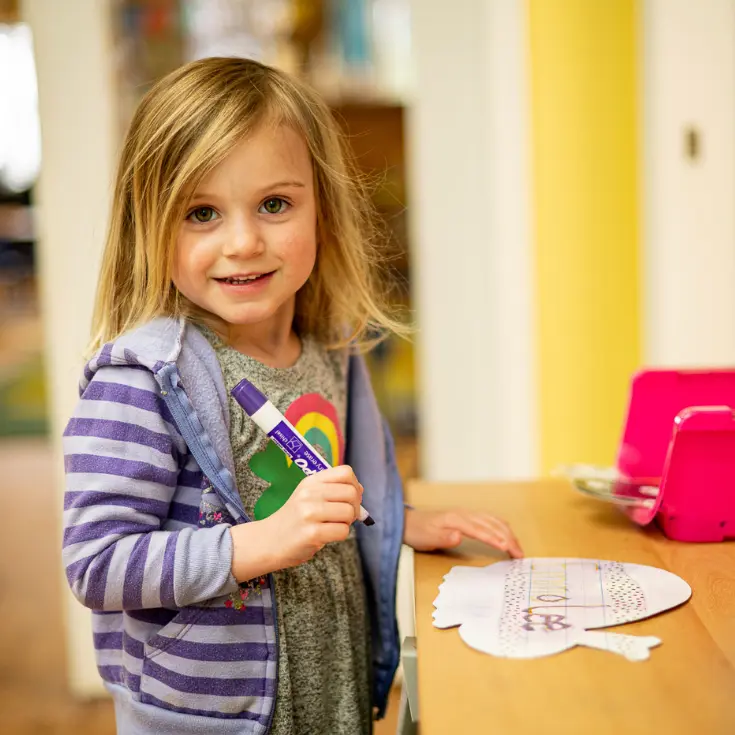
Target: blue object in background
x=353, y=32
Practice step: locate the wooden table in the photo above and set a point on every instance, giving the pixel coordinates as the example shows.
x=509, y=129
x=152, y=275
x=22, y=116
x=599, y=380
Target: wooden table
x=687, y=687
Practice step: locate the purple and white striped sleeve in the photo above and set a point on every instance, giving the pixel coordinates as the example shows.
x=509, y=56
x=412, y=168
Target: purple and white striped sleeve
x=121, y=457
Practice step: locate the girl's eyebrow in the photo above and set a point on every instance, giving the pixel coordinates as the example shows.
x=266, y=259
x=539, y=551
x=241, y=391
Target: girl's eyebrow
x=270, y=187
x=284, y=185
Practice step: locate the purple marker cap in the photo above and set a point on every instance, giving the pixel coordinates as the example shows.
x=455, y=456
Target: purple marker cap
x=248, y=396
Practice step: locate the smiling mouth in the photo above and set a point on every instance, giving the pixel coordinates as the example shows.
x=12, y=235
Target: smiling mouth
x=242, y=280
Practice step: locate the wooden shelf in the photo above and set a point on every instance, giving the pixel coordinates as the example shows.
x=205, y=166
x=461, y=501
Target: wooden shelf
x=9, y=11
x=16, y=223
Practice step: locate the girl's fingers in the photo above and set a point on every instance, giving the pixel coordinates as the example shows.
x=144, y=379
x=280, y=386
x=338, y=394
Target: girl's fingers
x=467, y=526
x=339, y=513
x=489, y=530
x=512, y=546
x=334, y=492
x=503, y=529
x=339, y=475
x=331, y=532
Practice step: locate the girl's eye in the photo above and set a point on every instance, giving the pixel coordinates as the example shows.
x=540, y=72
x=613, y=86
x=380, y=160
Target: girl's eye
x=274, y=205
x=202, y=215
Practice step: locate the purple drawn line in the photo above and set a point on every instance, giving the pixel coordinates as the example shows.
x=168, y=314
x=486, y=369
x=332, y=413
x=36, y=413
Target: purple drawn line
x=530, y=587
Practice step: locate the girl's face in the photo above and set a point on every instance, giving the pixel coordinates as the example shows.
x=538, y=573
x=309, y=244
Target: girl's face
x=248, y=241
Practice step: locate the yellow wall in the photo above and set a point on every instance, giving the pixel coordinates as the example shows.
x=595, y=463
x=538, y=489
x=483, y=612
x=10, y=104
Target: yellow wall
x=583, y=66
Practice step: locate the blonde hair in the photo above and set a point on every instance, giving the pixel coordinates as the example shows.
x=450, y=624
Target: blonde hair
x=184, y=127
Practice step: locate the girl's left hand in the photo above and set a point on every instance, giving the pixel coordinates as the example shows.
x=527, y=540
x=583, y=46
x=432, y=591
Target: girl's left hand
x=430, y=530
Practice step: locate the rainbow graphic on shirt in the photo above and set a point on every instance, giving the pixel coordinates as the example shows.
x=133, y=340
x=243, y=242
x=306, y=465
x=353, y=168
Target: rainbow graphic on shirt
x=315, y=418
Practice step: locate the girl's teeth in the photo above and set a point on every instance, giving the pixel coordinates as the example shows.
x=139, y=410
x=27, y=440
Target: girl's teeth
x=241, y=280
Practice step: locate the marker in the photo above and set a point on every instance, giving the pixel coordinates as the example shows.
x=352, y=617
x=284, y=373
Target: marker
x=278, y=428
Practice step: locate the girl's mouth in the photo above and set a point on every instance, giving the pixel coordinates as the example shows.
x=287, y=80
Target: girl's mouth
x=242, y=280
x=244, y=285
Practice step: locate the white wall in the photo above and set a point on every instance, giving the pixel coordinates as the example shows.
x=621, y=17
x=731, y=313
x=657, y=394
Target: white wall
x=468, y=139
x=75, y=78
x=470, y=231
x=688, y=79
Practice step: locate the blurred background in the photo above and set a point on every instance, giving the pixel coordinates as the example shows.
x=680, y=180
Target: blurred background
x=557, y=179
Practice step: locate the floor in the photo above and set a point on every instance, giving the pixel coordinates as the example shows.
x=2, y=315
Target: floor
x=33, y=695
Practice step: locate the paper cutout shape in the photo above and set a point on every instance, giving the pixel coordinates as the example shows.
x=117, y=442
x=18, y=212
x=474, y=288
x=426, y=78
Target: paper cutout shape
x=527, y=608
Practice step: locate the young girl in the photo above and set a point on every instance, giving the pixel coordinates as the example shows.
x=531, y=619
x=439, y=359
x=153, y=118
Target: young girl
x=230, y=593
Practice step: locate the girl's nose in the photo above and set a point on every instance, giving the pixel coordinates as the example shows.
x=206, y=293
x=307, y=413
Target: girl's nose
x=243, y=239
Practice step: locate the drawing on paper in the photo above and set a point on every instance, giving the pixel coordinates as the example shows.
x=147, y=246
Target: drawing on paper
x=527, y=608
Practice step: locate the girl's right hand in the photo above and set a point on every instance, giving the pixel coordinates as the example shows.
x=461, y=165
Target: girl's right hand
x=320, y=511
